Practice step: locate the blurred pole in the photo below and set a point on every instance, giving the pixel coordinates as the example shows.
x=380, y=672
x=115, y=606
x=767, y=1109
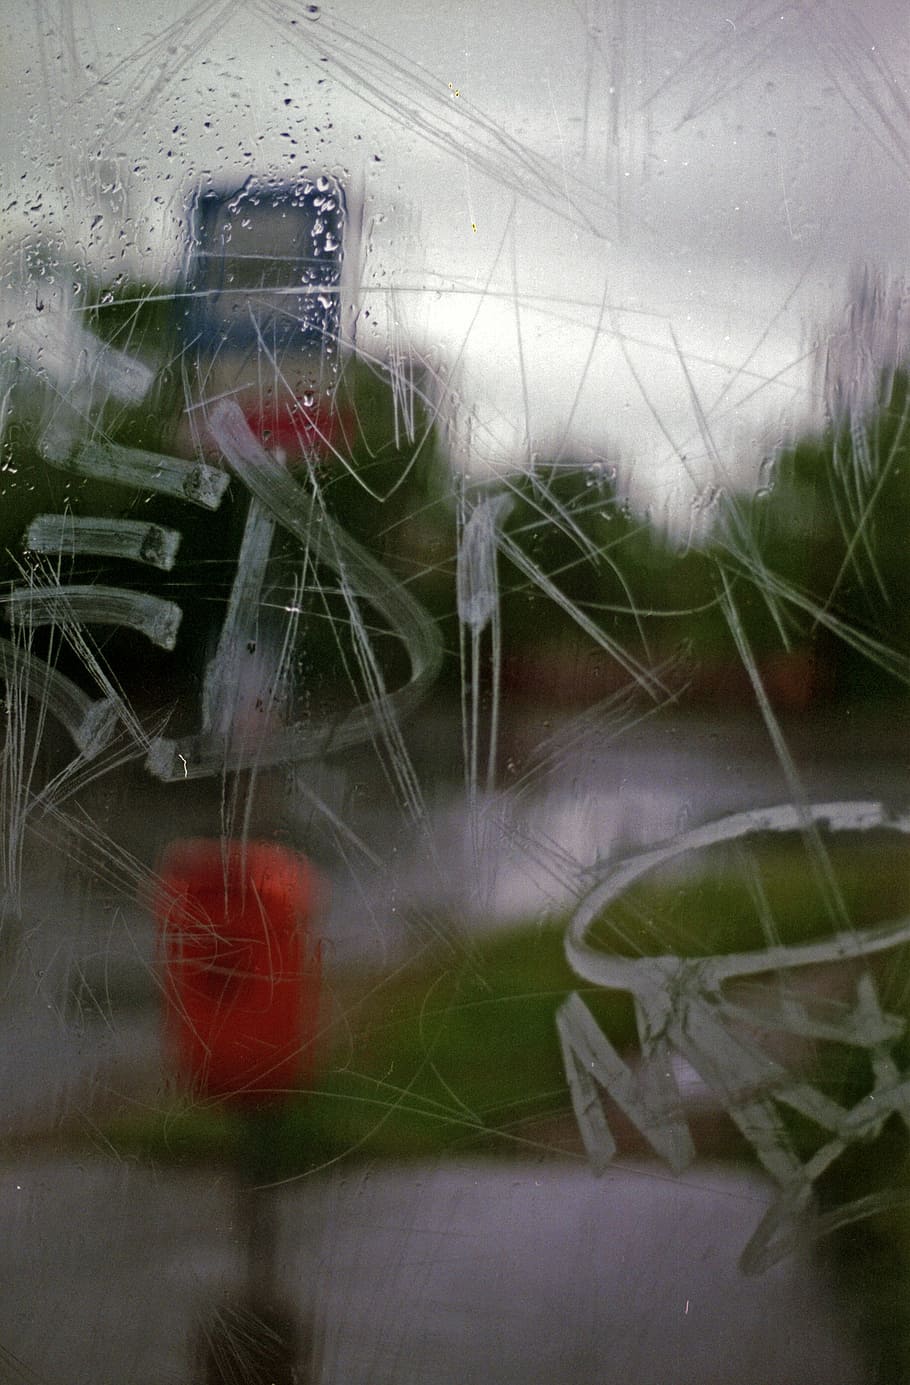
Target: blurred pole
x=258, y=1217
x=257, y=1340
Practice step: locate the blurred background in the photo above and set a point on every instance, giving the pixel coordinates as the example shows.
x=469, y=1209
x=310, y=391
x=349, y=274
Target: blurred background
x=465, y=450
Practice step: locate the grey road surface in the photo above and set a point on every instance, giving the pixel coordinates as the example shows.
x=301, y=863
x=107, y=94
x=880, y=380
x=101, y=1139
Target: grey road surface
x=455, y=1274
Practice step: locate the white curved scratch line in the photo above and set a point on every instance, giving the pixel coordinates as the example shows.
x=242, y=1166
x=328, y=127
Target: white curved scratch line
x=640, y=975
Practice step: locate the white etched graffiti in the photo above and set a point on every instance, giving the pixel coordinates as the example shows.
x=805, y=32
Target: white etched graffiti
x=681, y=1008
x=277, y=501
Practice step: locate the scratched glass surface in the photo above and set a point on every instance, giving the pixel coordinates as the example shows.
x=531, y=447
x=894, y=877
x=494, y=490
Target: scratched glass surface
x=455, y=604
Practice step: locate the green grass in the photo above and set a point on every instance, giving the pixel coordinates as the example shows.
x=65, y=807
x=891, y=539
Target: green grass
x=437, y=1058
x=753, y=893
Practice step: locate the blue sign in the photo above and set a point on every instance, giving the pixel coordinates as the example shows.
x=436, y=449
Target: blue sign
x=264, y=267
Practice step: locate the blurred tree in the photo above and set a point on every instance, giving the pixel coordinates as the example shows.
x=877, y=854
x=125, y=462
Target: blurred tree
x=824, y=548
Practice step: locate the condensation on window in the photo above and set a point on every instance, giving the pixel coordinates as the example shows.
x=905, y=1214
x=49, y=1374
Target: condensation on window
x=454, y=646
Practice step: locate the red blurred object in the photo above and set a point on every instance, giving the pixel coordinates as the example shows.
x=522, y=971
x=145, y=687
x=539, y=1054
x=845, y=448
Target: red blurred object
x=242, y=978
x=302, y=432
x=293, y=427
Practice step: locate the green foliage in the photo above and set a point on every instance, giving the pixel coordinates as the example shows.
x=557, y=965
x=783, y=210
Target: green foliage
x=814, y=560
x=824, y=550
x=569, y=523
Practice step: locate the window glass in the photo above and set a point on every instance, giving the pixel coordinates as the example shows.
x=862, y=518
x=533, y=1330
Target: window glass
x=454, y=646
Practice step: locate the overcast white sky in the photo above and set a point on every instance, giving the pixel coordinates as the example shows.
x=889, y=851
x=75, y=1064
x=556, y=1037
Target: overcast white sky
x=606, y=216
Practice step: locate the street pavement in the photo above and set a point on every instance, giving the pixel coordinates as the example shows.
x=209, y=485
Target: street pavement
x=448, y=1274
